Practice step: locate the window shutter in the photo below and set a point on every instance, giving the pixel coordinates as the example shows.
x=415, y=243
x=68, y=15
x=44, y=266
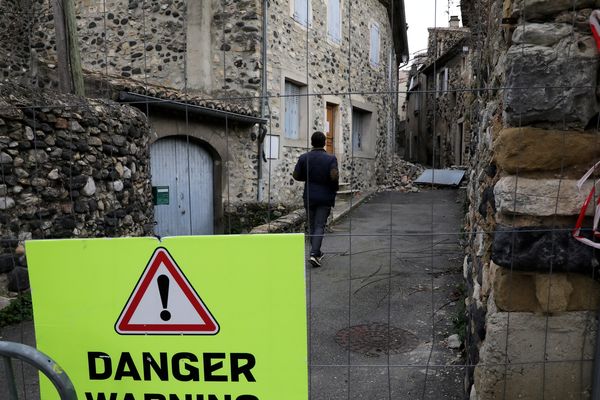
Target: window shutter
x=292, y=106
x=333, y=20
x=374, y=44
x=301, y=11
x=445, y=79
x=356, y=130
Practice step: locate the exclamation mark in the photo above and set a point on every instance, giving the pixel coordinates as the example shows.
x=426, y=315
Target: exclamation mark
x=163, y=290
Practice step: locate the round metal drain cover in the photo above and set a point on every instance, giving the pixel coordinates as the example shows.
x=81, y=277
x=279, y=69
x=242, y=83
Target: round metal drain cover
x=372, y=339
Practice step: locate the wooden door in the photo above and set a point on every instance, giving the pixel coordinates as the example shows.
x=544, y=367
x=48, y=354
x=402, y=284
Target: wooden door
x=330, y=127
x=182, y=177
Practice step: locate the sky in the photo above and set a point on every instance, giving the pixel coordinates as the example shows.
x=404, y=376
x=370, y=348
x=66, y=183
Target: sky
x=421, y=14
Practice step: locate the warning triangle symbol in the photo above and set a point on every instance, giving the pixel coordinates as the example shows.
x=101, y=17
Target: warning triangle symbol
x=165, y=303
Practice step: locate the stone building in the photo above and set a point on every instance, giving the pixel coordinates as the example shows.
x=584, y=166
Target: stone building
x=533, y=289
x=437, y=131
x=403, y=79
x=233, y=90
x=322, y=50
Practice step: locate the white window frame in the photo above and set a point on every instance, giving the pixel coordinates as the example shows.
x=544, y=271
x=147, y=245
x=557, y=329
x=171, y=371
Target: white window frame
x=374, y=44
x=294, y=7
x=331, y=35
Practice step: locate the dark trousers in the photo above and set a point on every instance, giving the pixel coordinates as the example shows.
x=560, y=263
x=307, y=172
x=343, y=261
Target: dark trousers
x=317, y=219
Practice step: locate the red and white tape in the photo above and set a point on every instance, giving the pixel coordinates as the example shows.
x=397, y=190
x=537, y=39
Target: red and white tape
x=595, y=25
x=577, y=231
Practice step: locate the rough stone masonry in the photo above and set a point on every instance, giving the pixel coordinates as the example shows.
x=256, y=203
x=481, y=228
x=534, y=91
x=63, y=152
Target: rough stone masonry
x=69, y=168
x=533, y=289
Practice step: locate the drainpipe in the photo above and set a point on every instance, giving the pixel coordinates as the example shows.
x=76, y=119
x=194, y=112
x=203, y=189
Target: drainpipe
x=263, y=103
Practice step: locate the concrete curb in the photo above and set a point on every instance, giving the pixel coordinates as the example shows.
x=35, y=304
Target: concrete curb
x=336, y=216
x=289, y=222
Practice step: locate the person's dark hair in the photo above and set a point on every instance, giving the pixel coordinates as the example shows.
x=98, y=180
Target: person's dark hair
x=317, y=139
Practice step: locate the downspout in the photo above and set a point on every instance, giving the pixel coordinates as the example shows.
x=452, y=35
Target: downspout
x=263, y=103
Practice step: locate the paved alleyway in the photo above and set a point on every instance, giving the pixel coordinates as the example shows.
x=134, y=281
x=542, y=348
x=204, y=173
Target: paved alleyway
x=419, y=261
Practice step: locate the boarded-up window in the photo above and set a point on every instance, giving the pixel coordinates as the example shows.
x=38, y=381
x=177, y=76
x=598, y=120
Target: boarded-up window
x=374, y=53
x=302, y=11
x=334, y=25
x=292, y=110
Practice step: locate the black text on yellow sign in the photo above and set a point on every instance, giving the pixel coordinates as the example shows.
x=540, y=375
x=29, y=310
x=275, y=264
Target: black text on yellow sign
x=182, y=367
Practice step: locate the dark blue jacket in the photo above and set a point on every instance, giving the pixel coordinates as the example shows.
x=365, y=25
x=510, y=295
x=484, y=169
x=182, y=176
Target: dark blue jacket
x=320, y=172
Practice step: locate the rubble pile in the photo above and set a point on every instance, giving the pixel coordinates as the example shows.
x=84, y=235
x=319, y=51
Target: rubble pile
x=400, y=175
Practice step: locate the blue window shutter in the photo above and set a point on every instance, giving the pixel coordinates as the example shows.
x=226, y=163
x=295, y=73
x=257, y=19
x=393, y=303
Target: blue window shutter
x=301, y=11
x=292, y=107
x=333, y=20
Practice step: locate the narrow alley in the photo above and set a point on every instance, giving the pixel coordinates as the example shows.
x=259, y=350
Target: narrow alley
x=364, y=282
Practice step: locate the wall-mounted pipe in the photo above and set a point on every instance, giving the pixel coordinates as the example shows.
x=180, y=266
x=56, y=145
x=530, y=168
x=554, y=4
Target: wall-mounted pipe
x=263, y=102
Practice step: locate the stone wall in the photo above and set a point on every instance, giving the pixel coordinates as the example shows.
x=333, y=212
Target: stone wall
x=210, y=48
x=328, y=69
x=69, y=168
x=533, y=289
x=15, y=23
x=440, y=40
x=213, y=49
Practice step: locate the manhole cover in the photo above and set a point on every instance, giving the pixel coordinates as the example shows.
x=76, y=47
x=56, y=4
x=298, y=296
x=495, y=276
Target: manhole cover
x=372, y=339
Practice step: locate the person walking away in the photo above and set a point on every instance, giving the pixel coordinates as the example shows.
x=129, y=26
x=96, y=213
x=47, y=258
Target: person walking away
x=319, y=171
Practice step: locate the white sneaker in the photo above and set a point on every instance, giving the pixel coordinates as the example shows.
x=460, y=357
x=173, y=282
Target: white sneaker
x=315, y=261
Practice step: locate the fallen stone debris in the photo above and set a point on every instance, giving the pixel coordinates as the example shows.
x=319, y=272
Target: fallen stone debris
x=400, y=176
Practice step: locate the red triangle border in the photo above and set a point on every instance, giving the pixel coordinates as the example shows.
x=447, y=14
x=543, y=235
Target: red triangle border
x=123, y=326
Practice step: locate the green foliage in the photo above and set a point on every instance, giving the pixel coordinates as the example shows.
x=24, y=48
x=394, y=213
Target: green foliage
x=459, y=319
x=241, y=219
x=18, y=310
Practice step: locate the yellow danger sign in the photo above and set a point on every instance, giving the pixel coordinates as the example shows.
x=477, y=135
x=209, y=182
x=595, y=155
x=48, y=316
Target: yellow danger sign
x=185, y=318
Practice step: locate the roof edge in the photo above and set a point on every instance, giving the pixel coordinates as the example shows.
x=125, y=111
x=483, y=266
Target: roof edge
x=135, y=99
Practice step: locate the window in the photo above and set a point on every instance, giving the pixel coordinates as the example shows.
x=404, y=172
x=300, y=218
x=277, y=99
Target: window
x=413, y=83
x=442, y=82
x=417, y=107
x=361, y=121
x=334, y=23
x=302, y=12
x=374, y=52
x=292, y=110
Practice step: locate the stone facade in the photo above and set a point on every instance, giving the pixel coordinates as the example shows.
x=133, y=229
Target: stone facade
x=532, y=287
x=72, y=168
x=326, y=70
x=211, y=52
x=437, y=102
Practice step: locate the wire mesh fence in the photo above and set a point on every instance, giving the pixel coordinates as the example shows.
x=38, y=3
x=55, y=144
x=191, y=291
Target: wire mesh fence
x=196, y=113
